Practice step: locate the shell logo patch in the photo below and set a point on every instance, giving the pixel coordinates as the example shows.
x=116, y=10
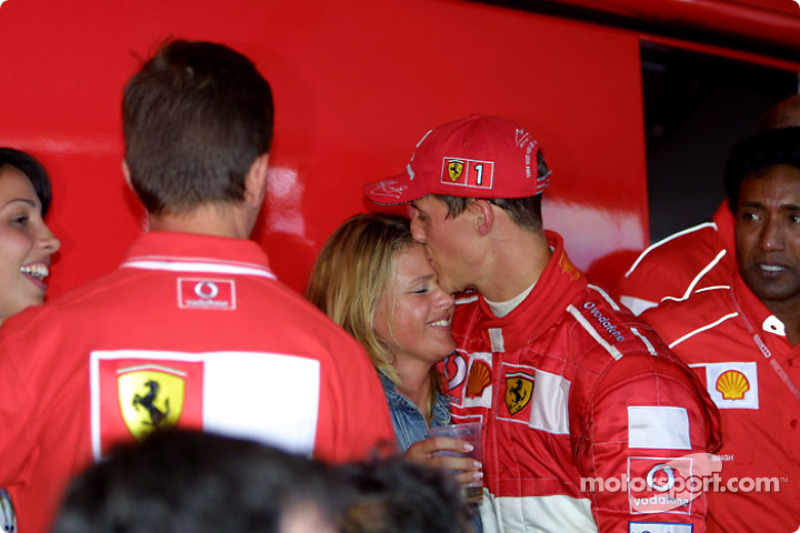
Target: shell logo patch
x=150, y=398
x=733, y=385
x=519, y=391
x=479, y=378
x=467, y=173
x=455, y=169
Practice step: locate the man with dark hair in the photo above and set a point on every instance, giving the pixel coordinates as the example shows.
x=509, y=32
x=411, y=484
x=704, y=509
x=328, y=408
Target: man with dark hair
x=193, y=329
x=184, y=481
x=394, y=495
x=575, y=394
x=741, y=338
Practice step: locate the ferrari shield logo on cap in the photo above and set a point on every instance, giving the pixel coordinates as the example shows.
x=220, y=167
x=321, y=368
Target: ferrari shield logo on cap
x=150, y=398
x=455, y=169
x=469, y=173
x=519, y=389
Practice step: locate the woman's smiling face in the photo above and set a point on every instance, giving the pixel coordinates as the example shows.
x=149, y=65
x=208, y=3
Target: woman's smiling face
x=26, y=244
x=414, y=313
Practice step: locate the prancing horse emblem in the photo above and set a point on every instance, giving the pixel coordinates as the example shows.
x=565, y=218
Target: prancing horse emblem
x=519, y=390
x=150, y=396
x=147, y=401
x=455, y=169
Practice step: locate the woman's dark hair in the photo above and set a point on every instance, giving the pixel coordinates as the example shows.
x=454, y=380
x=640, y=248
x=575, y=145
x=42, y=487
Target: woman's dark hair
x=33, y=169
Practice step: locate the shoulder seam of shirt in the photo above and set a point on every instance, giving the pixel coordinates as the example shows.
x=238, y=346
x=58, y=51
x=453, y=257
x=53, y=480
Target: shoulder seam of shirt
x=598, y=338
x=666, y=240
x=199, y=266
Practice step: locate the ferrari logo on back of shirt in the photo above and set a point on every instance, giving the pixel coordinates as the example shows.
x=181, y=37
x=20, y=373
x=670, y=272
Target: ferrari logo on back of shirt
x=519, y=389
x=150, y=398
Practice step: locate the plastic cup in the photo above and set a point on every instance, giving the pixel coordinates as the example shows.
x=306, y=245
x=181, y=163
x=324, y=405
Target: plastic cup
x=471, y=433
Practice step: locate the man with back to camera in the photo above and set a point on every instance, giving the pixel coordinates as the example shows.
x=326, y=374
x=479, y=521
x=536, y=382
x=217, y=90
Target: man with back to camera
x=698, y=257
x=568, y=385
x=741, y=339
x=193, y=329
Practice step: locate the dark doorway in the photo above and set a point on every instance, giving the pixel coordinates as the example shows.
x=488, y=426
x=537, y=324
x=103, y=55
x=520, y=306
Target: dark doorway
x=696, y=107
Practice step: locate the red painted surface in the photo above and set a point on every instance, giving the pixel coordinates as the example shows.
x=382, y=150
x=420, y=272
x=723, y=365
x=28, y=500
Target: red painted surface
x=356, y=84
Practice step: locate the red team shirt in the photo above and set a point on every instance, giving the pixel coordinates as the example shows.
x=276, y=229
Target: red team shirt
x=193, y=331
x=569, y=385
x=701, y=256
x=739, y=350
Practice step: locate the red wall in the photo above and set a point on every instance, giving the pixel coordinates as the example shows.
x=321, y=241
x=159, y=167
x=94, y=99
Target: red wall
x=356, y=84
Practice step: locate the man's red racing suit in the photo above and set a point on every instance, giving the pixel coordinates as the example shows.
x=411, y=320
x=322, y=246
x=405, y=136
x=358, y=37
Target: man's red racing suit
x=588, y=418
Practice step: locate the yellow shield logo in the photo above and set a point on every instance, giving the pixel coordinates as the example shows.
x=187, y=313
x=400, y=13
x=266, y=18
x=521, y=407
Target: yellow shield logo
x=519, y=389
x=455, y=169
x=150, y=397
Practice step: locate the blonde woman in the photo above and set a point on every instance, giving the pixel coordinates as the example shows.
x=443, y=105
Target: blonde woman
x=376, y=282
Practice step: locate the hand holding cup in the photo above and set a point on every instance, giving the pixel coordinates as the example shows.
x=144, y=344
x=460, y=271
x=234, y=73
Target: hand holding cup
x=449, y=453
x=451, y=457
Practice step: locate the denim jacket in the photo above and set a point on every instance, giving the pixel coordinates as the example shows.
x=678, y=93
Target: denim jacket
x=409, y=423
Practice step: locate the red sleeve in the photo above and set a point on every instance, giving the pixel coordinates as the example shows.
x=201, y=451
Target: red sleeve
x=644, y=437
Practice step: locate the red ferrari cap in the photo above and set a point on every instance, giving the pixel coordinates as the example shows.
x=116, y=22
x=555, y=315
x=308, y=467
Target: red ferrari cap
x=476, y=157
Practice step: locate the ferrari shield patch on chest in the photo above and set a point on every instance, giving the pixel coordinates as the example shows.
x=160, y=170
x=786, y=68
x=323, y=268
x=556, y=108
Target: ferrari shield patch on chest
x=519, y=391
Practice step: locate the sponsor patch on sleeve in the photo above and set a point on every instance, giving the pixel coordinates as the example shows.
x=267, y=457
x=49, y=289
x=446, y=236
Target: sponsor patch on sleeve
x=658, y=427
x=659, y=527
x=662, y=485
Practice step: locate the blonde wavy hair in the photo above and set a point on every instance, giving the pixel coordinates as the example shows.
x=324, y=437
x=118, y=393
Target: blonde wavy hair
x=352, y=270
